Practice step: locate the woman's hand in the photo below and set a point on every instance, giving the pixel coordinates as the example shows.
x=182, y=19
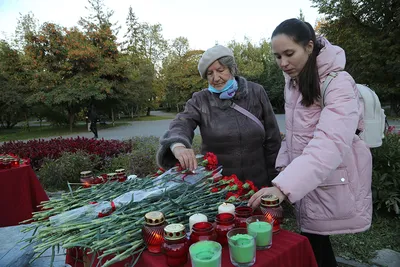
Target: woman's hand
x=186, y=157
x=255, y=200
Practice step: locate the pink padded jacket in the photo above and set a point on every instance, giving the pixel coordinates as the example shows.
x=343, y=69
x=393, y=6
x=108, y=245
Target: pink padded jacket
x=328, y=168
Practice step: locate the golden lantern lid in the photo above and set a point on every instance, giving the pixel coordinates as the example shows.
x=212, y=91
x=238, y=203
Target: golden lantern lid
x=174, y=231
x=113, y=174
x=86, y=173
x=269, y=201
x=154, y=218
x=120, y=170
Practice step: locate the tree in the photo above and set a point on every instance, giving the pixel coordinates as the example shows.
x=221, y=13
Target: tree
x=301, y=16
x=27, y=26
x=181, y=78
x=13, y=89
x=256, y=63
x=153, y=43
x=133, y=36
x=180, y=46
x=368, y=31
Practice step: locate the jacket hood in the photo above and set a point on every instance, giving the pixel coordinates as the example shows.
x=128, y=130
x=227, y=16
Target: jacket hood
x=331, y=58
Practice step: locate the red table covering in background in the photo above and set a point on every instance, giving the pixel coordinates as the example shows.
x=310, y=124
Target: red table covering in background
x=288, y=250
x=20, y=194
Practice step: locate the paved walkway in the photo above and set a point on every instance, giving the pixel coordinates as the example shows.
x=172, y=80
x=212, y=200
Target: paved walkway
x=158, y=128
x=144, y=128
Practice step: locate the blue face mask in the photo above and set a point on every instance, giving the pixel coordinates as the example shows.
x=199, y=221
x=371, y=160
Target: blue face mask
x=230, y=84
x=229, y=90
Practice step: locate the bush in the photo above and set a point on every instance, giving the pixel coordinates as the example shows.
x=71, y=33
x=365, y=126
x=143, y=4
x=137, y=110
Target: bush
x=122, y=161
x=55, y=174
x=37, y=150
x=143, y=155
x=386, y=174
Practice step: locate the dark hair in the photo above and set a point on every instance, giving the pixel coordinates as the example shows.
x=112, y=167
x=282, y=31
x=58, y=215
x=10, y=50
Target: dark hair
x=302, y=33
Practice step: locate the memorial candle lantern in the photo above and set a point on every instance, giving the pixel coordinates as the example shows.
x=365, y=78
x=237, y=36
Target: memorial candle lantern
x=176, y=245
x=14, y=162
x=86, y=178
x=153, y=231
x=112, y=176
x=121, y=175
x=2, y=166
x=272, y=211
x=7, y=163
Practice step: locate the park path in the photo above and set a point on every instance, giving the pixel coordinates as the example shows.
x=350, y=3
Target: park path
x=144, y=128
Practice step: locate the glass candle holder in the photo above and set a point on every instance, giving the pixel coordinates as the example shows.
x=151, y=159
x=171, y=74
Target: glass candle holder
x=242, y=247
x=112, y=176
x=7, y=163
x=98, y=180
x=14, y=162
x=205, y=254
x=121, y=175
x=272, y=211
x=259, y=226
x=2, y=165
x=87, y=178
x=241, y=214
x=224, y=222
x=202, y=231
x=176, y=245
x=153, y=231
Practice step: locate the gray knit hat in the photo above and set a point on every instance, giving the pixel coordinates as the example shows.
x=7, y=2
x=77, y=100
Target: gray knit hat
x=210, y=55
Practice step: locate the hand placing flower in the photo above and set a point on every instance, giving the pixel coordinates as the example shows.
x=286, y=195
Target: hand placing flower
x=255, y=200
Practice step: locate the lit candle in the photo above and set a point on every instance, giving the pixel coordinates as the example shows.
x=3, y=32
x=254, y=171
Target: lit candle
x=226, y=208
x=195, y=218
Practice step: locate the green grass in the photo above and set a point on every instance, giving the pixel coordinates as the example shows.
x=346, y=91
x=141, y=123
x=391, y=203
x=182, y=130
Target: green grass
x=384, y=233
x=22, y=133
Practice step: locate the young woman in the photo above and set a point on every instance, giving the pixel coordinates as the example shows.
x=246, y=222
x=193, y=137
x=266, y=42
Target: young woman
x=325, y=168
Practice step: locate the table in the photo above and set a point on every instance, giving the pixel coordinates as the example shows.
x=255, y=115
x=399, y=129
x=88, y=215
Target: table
x=20, y=194
x=288, y=249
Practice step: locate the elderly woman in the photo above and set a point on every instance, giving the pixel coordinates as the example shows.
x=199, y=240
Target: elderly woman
x=236, y=122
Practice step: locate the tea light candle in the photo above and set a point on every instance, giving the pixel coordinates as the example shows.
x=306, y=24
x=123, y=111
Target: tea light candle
x=263, y=230
x=242, y=247
x=195, y=218
x=226, y=208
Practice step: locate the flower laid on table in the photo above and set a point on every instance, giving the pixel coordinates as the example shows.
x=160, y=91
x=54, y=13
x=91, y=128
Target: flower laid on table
x=210, y=161
x=235, y=189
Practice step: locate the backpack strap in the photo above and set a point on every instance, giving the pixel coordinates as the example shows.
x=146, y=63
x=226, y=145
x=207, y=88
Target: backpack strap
x=247, y=114
x=327, y=81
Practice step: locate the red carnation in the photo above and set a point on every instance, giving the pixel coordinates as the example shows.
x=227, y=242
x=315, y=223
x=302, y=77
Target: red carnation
x=214, y=190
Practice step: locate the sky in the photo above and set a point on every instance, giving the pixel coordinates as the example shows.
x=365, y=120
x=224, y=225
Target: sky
x=204, y=22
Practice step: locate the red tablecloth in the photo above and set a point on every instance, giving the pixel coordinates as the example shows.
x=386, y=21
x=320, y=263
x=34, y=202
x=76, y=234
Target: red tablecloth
x=20, y=194
x=288, y=249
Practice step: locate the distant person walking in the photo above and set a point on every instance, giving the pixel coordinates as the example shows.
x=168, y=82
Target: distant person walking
x=93, y=118
x=88, y=123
